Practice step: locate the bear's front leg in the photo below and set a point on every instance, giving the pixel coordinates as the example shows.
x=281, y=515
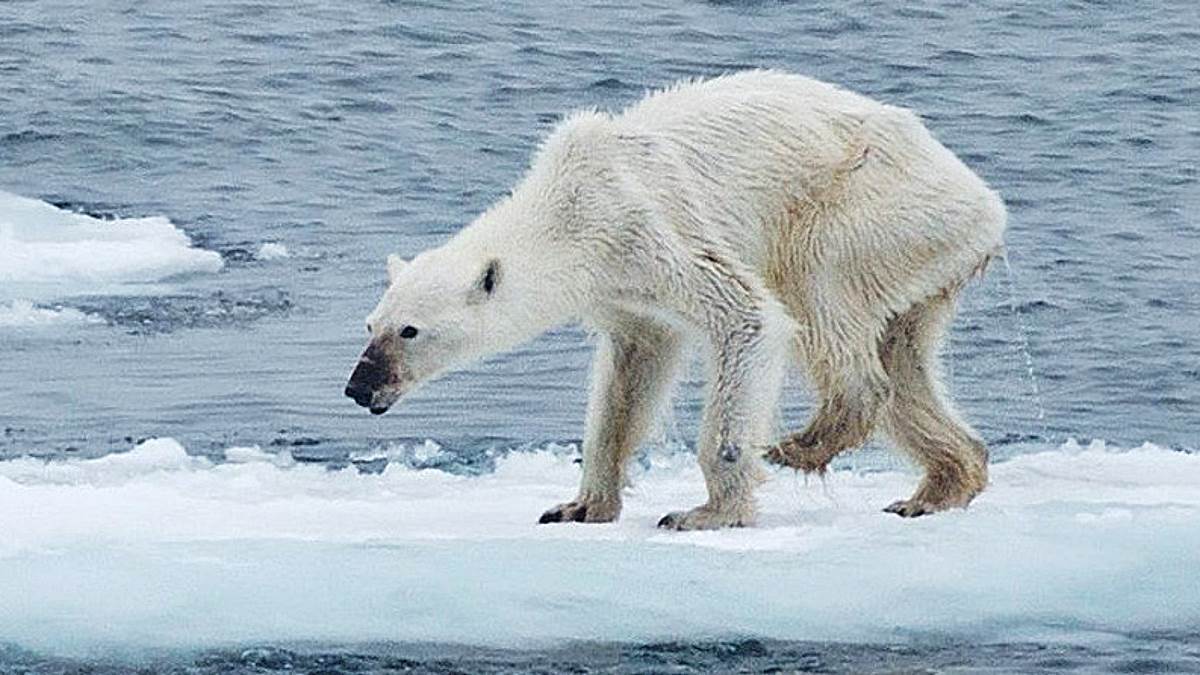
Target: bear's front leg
x=731, y=478
x=632, y=372
x=731, y=474
x=749, y=361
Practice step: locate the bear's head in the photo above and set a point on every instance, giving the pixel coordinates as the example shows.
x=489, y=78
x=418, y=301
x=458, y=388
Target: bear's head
x=435, y=315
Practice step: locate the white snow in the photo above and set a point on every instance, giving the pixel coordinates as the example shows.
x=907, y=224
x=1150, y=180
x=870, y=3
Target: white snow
x=158, y=548
x=49, y=251
x=23, y=313
x=272, y=251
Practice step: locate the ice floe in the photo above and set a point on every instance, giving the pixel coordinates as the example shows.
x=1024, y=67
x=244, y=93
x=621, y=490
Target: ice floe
x=46, y=250
x=156, y=547
x=23, y=313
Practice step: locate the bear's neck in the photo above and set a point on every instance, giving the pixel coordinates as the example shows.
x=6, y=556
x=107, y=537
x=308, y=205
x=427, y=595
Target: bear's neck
x=539, y=280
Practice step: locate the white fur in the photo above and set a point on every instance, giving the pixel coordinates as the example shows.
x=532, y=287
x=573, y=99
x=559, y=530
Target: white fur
x=768, y=214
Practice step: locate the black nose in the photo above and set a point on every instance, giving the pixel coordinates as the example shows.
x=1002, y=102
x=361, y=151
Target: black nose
x=360, y=393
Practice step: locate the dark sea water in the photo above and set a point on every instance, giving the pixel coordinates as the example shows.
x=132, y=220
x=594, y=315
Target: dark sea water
x=1146, y=654
x=349, y=130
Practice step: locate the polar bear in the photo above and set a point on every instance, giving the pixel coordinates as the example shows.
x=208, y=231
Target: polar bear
x=769, y=216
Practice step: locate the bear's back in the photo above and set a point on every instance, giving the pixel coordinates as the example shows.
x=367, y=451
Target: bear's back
x=731, y=97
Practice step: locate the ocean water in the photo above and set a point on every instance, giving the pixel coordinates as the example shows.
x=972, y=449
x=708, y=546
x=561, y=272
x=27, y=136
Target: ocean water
x=196, y=200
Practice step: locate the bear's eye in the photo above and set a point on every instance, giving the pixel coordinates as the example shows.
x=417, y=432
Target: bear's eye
x=369, y=329
x=408, y=332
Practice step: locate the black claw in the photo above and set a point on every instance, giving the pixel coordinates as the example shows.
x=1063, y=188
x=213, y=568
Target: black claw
x=906, y=510
x=580, y=514
x=668, y=521
x=553, y=516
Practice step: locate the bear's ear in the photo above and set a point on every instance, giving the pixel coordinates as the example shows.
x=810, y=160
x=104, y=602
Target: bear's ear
x=485, y=284
x=394, y=264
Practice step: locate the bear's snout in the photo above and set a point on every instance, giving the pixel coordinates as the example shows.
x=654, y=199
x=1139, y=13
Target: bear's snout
x=371, y=374
x=359, y=392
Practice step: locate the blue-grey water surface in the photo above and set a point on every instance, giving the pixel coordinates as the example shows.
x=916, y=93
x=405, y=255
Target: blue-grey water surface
x=348, y=130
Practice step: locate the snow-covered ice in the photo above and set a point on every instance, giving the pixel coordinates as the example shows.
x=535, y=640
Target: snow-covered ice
x=48, y=251
x=158, y=548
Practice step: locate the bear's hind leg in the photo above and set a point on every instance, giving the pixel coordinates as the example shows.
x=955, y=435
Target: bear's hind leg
x=921, y=421
x=853, y=389
x=632, y=373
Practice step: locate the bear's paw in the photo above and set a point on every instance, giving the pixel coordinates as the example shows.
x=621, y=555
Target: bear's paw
x=707, y=517
x=911, y=508
x=582, y=511
x=801, y=453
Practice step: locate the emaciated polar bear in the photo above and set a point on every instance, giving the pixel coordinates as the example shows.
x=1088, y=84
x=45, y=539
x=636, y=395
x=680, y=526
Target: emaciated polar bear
x=772, y=216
